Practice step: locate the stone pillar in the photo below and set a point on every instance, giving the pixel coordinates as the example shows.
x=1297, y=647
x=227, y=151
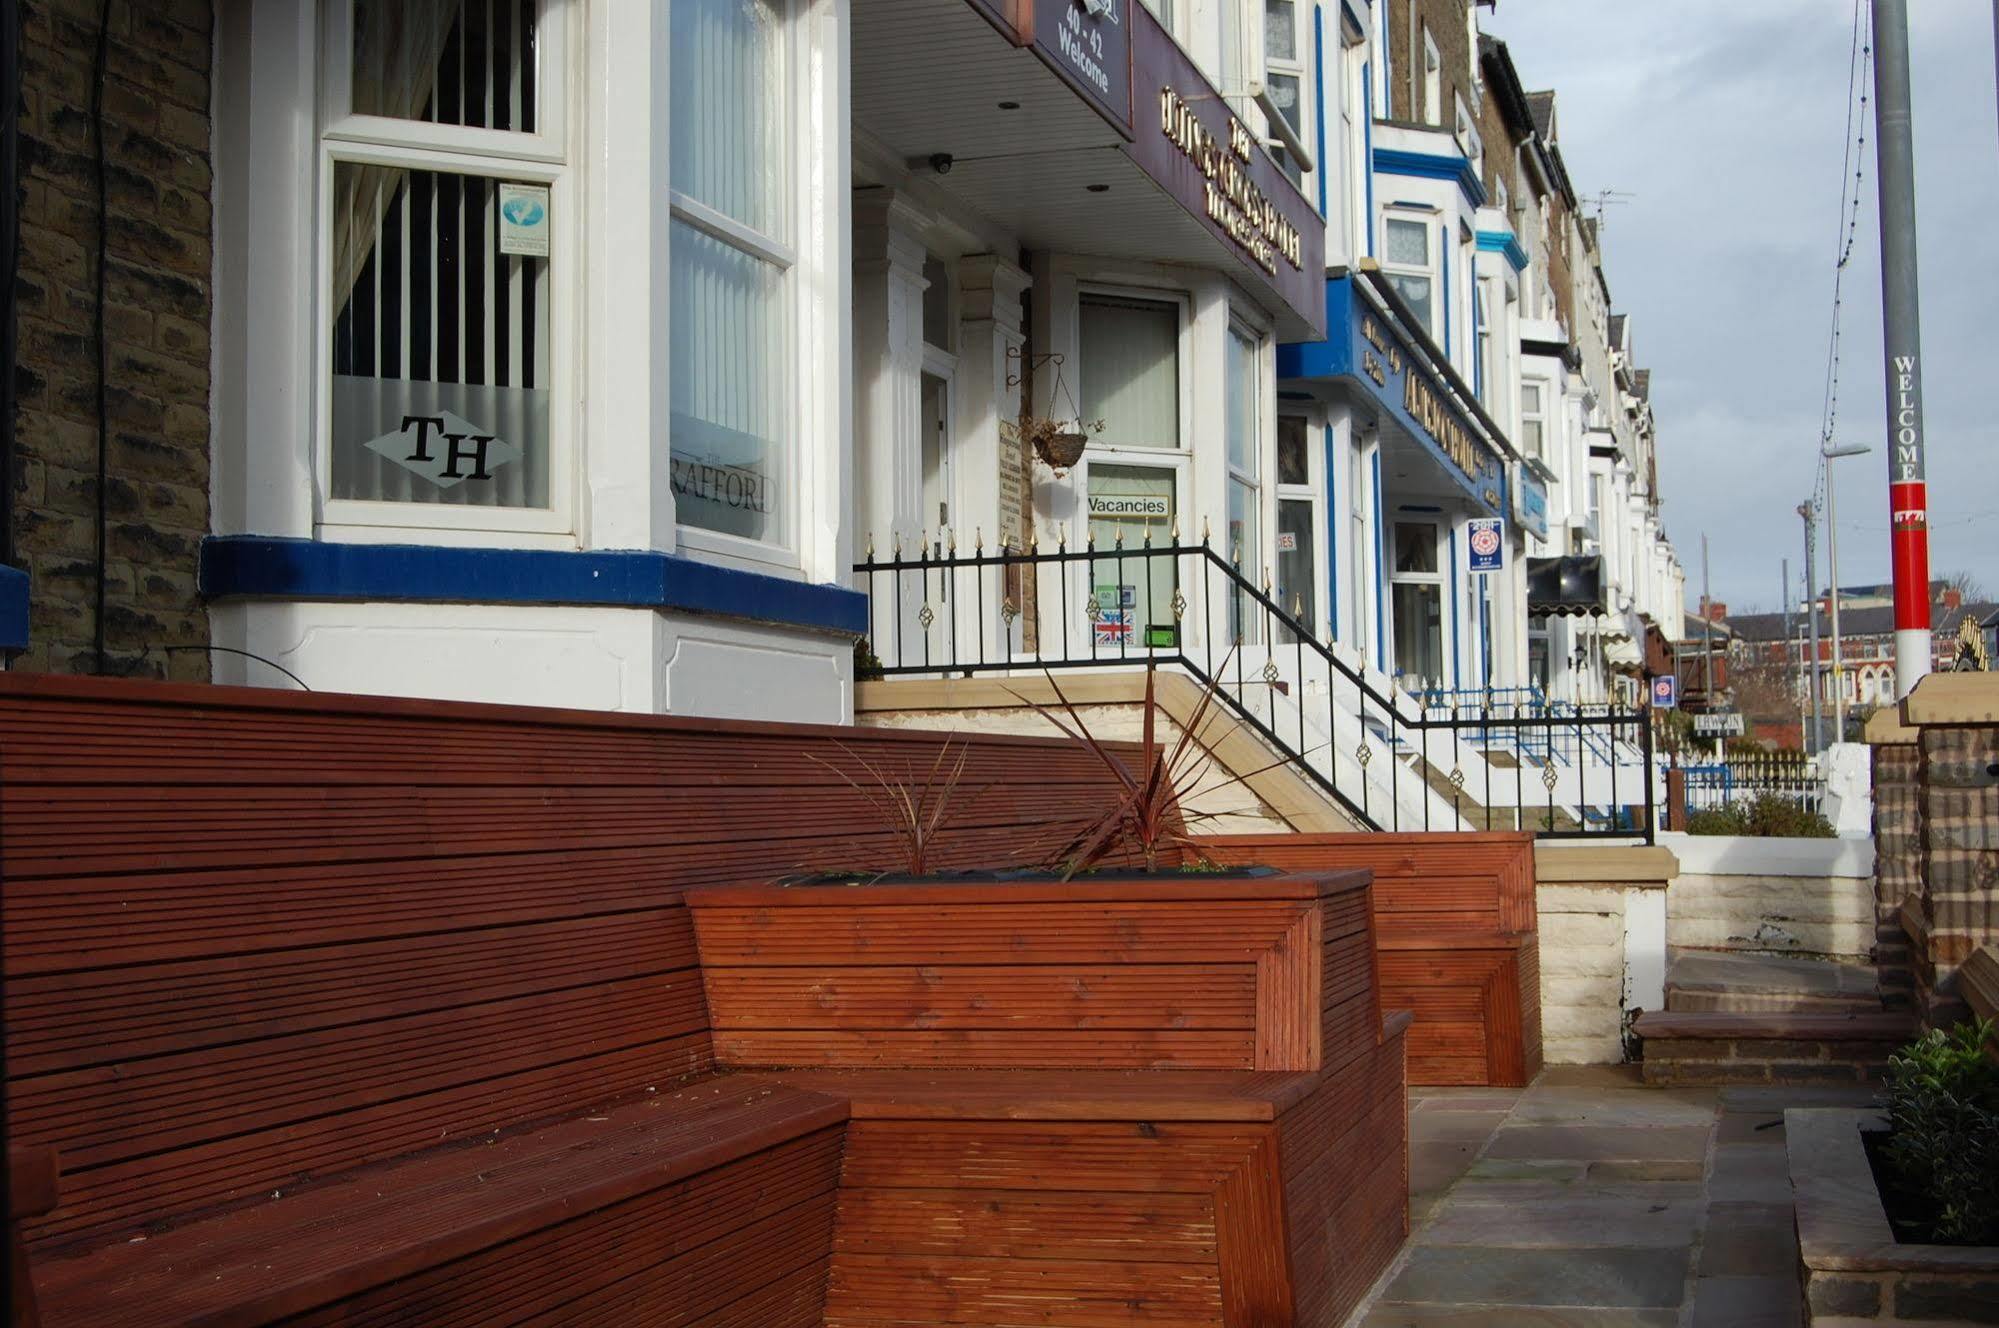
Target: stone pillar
x=1897, y=851
x=888, y=394
x=1957, y=719
x=991, y=471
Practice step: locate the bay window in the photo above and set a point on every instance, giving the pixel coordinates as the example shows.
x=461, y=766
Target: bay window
x=1533, y=420
x=732, y=270
x=1410, y=267
x=447, y=225
x=1284, y=78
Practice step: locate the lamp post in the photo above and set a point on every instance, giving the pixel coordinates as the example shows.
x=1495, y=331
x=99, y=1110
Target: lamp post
x=1832, y=454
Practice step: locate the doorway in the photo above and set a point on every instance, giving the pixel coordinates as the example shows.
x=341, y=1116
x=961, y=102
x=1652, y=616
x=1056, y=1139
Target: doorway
x=936, y=453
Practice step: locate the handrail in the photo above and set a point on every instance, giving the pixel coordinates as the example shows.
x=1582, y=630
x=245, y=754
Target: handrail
x=1258, y=634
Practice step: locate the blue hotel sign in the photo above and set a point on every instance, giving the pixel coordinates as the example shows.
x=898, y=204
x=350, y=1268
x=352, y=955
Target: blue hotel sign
x=1361, y=345
x=1530, y=501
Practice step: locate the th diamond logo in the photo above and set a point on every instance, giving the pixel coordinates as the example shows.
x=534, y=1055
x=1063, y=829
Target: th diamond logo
x=445, y=449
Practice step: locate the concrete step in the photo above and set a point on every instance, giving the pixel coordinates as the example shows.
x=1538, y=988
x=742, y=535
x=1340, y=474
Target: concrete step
x=1776, y=1047
x=1702, y=981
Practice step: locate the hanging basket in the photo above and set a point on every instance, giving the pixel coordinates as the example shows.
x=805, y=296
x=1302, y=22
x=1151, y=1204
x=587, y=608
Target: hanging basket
x=1060, y=450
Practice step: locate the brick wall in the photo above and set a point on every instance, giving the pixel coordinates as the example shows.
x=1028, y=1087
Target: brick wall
x=1959, y=824
x=1452, y=35
x=1500, y=150
x=1897, y=864
x=156, y=326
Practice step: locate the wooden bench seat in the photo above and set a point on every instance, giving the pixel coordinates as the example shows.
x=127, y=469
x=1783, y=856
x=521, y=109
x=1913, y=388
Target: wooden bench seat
x=684, y=1201
x=1141, y=1101
x=346, y=1011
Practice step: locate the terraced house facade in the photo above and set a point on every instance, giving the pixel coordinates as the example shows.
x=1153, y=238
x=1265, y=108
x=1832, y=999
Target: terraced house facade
x=465, y=350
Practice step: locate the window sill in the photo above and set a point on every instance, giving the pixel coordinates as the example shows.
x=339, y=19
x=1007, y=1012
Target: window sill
x=271, y=567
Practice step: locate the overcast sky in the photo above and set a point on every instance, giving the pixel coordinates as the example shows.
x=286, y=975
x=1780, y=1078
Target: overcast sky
x=1725, y=121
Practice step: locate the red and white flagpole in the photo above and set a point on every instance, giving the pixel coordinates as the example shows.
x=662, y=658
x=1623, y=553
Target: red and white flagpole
x=1901, y=344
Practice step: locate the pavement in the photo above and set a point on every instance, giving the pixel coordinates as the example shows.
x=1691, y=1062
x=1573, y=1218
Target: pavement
x=1592, y=1201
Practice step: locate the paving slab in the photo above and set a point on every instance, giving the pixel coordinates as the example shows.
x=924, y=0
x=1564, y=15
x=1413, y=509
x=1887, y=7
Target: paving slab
x=1454, y=1126
x=1611, y=1278
x=1747, y=1302
x=1598, y=1202
x=1750, y=1173
x=1514, y=1316
x=1777, y=1097
x=1588, y=1221
x=1749, y=1240
x=1570, y=1106
x=1750, y=1127
x=1434, y=1165
x=1591, y=1143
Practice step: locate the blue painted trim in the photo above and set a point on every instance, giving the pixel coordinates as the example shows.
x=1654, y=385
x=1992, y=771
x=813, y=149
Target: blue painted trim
x=1367, y=144
x=13, y=608
x=1444, y=290
x=1477, y=330
x=267, y=567
x=1457, y=648
x=1380, y=572
x=1433, y=166
x=1333, y=524
x=1319, y=96
x=1502, y=242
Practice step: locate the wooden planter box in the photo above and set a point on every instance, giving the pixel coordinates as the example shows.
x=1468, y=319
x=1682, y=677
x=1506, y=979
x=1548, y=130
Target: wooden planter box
x=1457, y=937
x=1854, y=1269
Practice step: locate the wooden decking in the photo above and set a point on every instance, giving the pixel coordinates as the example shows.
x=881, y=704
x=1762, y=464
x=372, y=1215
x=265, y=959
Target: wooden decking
x=349, y=1010
x=1457, y=937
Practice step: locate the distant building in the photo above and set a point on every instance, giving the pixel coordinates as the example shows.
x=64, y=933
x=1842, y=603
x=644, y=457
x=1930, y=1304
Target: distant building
x=1866, y=672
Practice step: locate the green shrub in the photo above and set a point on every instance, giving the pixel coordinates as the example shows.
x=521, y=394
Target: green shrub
x=1769, y=816
x=1943, y=1104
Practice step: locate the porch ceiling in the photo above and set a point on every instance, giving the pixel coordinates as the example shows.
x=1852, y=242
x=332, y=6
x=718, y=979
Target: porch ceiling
x=928, y=77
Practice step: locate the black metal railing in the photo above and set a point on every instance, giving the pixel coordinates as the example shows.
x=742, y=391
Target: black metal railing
x=1739, y=779
x=1391, y=760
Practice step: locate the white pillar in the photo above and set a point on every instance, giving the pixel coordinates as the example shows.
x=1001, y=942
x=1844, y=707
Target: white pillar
x=990, y=344
x=888, y=370
x=888, y=408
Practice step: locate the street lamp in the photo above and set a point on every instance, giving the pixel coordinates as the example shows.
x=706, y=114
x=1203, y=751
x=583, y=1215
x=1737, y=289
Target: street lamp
x=1832, y=454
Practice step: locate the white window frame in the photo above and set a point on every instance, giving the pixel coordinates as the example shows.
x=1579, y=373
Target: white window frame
x=1311, y=492
x=1432, y=236
x=1252, y=477
x=548, y=157
x=1541, y=387
x=1397, y=577
x=786, y=553
x=1182, y=303
x=1298, y=67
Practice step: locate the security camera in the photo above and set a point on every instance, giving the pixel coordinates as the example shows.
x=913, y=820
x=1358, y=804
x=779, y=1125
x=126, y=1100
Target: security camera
x=940, y=162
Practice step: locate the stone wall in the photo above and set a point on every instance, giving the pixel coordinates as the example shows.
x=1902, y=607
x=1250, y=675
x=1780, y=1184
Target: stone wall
x=1582, y=974
x=1603, y=945
x=1810, y=897
x=157, y=278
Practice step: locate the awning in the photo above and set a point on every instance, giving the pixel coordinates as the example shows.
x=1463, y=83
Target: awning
x=1570, y=586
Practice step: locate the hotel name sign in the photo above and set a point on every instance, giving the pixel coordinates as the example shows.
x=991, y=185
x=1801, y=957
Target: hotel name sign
x=1234, y=202
x=1381, y=357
